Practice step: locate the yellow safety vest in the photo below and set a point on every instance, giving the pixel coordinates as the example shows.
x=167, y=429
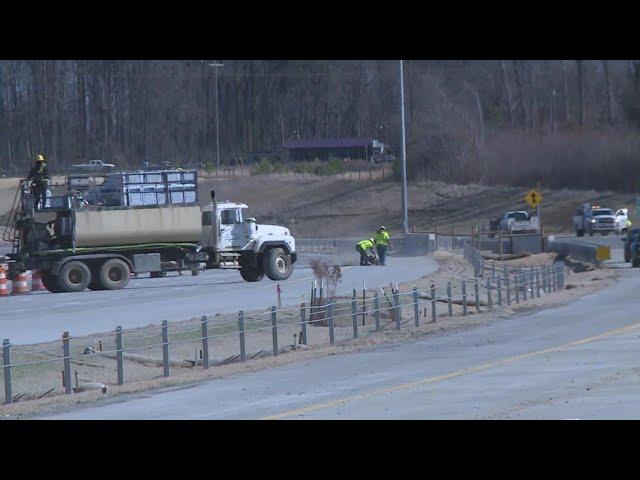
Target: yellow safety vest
x=365, y=244
x=381, y=238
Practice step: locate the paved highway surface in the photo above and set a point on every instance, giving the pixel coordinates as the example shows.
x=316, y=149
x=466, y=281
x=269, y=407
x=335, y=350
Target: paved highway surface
x=577, y=361
x=43, y=316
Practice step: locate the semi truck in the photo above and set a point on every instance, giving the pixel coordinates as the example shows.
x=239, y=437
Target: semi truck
x=75, y=246
x=593, y=219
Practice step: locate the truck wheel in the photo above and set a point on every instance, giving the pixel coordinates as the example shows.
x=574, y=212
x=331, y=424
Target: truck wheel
x=249, y=274
x=114, y=274
x=50, y=282
x=74, y=276
x=579, y=233
x=635, y=263
x=277, y=264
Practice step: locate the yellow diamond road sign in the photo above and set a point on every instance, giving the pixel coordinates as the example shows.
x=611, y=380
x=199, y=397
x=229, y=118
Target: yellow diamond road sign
x=533, y=198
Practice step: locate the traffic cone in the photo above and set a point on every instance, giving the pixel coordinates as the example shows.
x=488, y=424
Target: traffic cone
x=4, y=283
x=36, y=282
x=20, y=284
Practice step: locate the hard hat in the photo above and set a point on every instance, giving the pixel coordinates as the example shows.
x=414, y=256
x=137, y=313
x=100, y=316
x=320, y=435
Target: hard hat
x=371, y=240
x=382, y=228
x=40, y=158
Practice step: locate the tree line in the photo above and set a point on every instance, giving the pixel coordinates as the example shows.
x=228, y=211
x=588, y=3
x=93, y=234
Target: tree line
x=558, y=122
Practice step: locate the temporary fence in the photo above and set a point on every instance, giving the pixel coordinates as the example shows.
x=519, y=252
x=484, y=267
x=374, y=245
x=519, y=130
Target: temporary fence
x=270, y=332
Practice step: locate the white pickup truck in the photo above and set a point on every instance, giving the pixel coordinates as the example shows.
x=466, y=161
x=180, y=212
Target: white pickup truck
x=519, y=222
x=592, y=219
x=94, y=165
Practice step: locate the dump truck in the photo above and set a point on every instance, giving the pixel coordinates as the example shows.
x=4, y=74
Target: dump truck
x=76, y=246
x=593, y=219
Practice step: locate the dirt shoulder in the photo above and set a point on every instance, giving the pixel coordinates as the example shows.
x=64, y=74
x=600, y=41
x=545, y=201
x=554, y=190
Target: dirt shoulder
x=144, y=373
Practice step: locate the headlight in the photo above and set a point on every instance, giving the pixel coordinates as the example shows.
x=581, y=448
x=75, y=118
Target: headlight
x=593, y=220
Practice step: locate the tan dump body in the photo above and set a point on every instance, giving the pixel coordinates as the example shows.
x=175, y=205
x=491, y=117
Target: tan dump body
x=102, y=228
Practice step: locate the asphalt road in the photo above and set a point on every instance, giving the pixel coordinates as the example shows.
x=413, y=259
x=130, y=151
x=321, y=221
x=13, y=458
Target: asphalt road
x=43, y=316
x=577, y=361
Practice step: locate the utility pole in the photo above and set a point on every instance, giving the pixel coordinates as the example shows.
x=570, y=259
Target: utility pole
x=405, y=215
x=216, y=66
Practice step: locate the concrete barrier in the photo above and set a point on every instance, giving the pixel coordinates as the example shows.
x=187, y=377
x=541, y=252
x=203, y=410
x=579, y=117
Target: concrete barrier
x=581, y=251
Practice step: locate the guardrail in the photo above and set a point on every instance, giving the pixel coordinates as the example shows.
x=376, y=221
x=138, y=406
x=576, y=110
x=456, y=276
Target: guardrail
x=381, y=310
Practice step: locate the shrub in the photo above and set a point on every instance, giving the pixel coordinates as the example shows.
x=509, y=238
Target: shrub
x=264, y=167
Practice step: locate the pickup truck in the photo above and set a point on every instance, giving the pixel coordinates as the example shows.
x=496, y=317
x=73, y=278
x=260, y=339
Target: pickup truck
x=593, y=219
x=94, y=165
x=515, y=222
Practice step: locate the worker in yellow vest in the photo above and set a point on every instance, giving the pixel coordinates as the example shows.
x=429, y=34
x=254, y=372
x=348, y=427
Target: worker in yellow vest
x=365, y=248
x=39, y=176
x=382, y=241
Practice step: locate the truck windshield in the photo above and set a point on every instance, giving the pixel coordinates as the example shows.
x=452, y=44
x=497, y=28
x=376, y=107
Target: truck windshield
x=602, y=211
x=519, y=216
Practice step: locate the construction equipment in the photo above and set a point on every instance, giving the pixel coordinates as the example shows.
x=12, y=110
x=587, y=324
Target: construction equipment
x=75, y=245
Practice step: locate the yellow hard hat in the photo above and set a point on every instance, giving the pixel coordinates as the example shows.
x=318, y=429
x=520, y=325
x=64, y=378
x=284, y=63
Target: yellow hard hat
x=40, y=158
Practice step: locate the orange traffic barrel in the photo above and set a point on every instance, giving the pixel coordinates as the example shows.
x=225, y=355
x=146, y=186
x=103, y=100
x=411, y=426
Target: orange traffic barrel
x=21, y=284
x=4, y=283
x=36, y=282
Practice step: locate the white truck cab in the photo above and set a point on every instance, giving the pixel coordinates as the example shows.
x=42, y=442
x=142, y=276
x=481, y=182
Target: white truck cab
x=233, y=240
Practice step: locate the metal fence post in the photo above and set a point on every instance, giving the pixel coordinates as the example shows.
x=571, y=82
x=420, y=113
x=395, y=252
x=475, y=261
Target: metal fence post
x=433, y=303
x=396, y=302
x=274, y=330
x=376, y=306
x=119, y=355
x=560, y=271
x=332, y=338
x=552, y=278
x=517, y=286
x=476, y=291
x=165, y=347
x=354, y=317
x=303, y=323
x=243, y=355
x=205, y=342
x=507, y=286
x=464, y=297
x=499, y=287
x=6, y=353
x=449, y=300
x=489, y=285
x=531, y=282
x=67, y=362
x=493, y=270
x=523, y=278
x=416, y=307
x=538, y=282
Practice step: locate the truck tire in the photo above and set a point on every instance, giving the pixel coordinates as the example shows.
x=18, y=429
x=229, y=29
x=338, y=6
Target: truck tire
x=50, y=282
x=74, y=276
x=277, y=264
x=579, y=233
x=635, y=263
x=114, y=274
x=249, y=274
